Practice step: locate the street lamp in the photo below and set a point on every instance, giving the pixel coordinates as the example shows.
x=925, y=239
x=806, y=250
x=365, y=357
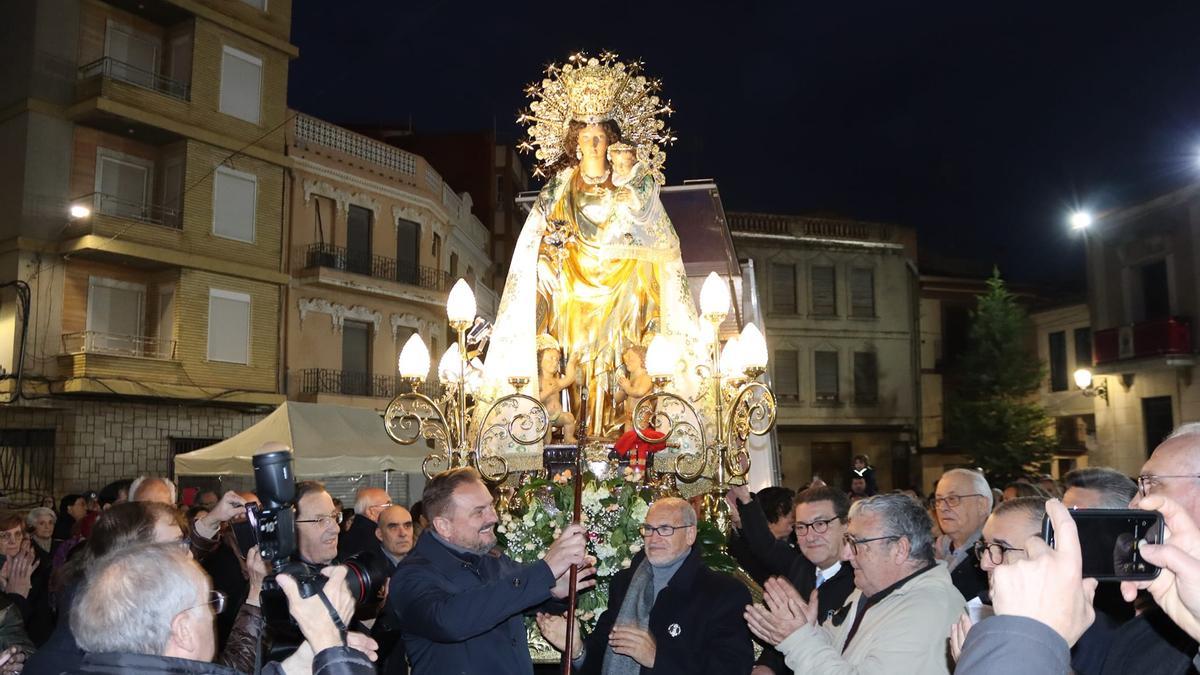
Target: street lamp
x=1083, y=380
x=1081, y=220
x=79, y=211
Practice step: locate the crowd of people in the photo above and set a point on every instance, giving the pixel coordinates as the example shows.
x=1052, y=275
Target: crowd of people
x=853, y=581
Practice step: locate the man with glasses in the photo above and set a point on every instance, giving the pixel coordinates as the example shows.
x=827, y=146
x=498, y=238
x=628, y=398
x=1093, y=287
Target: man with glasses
x=369, y=502
x=1151, y=642
x=819, y=523
x=667, y=613
x=149, y=609
x=898, y=619
x=963, y=501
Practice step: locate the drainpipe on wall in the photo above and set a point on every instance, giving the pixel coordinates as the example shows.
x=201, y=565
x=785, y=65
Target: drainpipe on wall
x=918, y=409
x=289, y=187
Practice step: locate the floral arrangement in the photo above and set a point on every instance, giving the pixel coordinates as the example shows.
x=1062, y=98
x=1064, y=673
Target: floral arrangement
x=614, y=508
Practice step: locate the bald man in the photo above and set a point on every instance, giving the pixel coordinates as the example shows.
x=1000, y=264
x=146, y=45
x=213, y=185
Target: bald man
x=369, y=502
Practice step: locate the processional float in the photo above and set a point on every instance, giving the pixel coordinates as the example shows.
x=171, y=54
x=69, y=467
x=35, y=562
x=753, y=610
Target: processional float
x=597, y=281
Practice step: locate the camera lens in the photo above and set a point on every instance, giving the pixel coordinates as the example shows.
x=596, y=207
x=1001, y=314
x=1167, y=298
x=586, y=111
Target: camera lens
x=365, y=574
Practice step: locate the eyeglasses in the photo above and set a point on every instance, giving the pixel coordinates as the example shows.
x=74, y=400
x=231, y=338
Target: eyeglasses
x=1148, y=482
x=216, y=599
x=952, y=501
x=818, y=526
x=661, y=530
x=13, y=535
x=995, y=551
x=324, y=520
x=854, y=543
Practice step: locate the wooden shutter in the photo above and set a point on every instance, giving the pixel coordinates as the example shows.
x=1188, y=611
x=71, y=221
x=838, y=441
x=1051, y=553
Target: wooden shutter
x=1058, y=361
x=783, y=288
x=866, y=378
x=824, y=291
x=787, y=374
x=862, y=292
x=825, y=371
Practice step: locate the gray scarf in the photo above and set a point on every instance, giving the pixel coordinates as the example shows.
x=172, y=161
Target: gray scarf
x=635, y=610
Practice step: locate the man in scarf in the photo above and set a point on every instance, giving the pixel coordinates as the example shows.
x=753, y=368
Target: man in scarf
x=668, y=613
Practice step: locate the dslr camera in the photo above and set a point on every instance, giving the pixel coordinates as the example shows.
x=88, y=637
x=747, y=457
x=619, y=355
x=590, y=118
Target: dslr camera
x=274, y=524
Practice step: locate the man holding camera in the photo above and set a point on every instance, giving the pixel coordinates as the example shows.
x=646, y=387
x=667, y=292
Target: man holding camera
x=460, y=603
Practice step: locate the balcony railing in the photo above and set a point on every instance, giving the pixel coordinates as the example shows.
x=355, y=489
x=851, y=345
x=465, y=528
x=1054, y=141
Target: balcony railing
x=111, y=205
x=313, y=130
x=1161, y=337
x=380, y=267
x=349, y=383
x=131, y=74
x=95, y=342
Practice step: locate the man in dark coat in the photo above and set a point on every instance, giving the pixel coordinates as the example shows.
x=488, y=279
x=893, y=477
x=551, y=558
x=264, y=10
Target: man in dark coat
x=368, y=503
x=963, y=502
x=667, y=614
x=459, y=604
x=776, y=504
x=820, y=522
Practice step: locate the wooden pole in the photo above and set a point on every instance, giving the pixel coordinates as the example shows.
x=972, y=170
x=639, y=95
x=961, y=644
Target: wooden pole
x=576, y=513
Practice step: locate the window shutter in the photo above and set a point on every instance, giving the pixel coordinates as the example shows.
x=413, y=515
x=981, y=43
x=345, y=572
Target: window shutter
x=1083, y=347
x=241, y=85
x=787, y=374
x=866, y=378
x=824, y=291
x=1058, y=361
x=228, y=326
x=233, y=205
x=783, y=288
x=826, y=374
x=862, y=292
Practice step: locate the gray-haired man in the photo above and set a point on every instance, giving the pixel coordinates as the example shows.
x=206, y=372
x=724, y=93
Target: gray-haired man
x=897, y=620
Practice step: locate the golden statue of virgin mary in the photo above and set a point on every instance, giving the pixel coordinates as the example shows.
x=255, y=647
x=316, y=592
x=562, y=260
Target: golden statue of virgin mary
x=597, y=266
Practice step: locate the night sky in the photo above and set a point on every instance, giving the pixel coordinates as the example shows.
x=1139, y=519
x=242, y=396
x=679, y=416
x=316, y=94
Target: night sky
x=981, y=124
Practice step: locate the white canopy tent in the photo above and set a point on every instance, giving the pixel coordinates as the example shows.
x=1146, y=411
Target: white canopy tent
x=326, y=440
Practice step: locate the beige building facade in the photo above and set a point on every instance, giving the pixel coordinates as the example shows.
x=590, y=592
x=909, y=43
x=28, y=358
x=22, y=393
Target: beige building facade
x=840, y=308
x=141, y=205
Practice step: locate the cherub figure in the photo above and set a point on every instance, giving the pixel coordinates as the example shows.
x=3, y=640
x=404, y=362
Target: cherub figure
x=636, y=385
x=551, y=383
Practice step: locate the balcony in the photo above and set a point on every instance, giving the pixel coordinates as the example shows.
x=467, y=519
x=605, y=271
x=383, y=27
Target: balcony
x=316, y=381
x=110, y=68
x=111, y=205
x=315, y=256
x=95, y=342
x=1161, y=342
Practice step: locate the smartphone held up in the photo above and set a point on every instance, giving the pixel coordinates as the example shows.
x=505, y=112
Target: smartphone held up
x=1110, y=541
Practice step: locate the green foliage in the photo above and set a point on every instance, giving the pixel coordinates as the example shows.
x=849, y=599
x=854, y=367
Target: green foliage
x=993, y=415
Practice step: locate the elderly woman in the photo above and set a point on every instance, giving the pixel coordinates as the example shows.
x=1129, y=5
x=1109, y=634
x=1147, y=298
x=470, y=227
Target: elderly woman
x=40, y=523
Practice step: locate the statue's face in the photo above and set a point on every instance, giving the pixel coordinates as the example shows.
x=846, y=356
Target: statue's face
x=593, y=142
x=632, y=359
x=550, y=359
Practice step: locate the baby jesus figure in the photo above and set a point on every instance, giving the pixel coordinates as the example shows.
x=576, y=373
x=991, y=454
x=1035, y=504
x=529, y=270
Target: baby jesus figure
x=636, y=385
x=551, y=384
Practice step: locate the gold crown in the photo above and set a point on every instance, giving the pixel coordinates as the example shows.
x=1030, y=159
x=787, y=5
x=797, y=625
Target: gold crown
x=593, y=90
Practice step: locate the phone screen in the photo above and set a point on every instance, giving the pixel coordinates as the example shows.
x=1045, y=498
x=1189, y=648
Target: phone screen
x=1110, y=540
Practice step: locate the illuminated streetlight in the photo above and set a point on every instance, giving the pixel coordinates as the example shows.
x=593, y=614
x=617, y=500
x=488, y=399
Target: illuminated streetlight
x=1081, y=220
x=79, y=211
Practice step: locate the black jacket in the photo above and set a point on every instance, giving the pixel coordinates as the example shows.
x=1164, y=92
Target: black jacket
x=463, y=614
x=360, y=537
x=332, y=661
x=969, y=578
x=697, y=623
x=1151, y=644
x=782, y=559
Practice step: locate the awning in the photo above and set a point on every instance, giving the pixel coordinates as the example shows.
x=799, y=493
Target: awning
x=326, y=440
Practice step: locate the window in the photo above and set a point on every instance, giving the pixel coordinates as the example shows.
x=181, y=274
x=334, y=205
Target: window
x=824, y=291
x=783, y=288
x=166, y=322
x=787, y=374
x=134, y=54
x=1156, y=293
x=1083, y=348
x=257, y=4
x=866, y=378
x=241, y=84
x=358, y=240
x=1058, y=361
x=228, y=326
x=115, y=313
x=235, y=195
x=437, y=249
x=124, y=184
x=356, y=358
x=453, y=266
x=825, y=374
x=408, y=244
x=862, y=292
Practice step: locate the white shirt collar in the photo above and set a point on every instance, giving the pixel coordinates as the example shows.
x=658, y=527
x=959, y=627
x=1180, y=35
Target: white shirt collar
x=824, y=575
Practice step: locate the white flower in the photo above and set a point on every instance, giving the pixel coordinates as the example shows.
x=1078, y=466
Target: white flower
x=626, y=563
x=529, y=546
x=635, y=547
x=501, y=529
